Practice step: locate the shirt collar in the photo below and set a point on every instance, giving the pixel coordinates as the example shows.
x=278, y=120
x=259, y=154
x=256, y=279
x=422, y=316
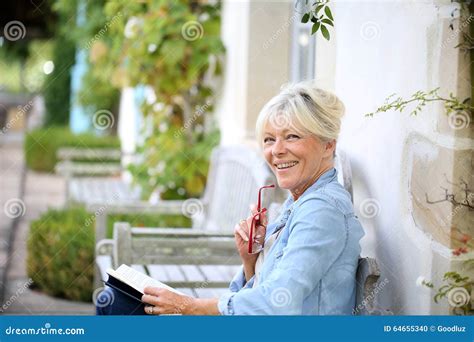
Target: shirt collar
x=325, y=178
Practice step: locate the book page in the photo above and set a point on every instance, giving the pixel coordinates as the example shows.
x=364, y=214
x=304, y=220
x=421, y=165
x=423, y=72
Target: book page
x=136, y=279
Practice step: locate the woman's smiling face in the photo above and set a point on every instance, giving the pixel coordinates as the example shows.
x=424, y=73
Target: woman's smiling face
x=296, y=159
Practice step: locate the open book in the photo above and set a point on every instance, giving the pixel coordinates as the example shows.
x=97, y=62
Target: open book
x=131, y=282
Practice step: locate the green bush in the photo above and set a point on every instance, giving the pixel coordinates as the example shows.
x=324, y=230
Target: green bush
x=61, y=253
x=148, y=220
x=41, y=145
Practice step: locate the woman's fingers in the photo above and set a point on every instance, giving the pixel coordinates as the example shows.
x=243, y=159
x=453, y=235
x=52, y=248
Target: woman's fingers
x=150, y=299
x=262, y=217
x=241, y=230
x=151, y=290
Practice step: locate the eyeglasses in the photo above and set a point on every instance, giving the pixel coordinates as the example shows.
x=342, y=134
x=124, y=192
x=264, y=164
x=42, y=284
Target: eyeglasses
x=256, y=237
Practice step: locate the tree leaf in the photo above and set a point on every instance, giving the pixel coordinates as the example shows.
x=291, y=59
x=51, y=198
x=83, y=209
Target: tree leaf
x=315, y=28
x=327, y=10
x=325, y=32
x=328, y=21
x=318, y=8
x=305, y=18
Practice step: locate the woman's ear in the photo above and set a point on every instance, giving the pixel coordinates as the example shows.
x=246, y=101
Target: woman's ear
x=330, y=148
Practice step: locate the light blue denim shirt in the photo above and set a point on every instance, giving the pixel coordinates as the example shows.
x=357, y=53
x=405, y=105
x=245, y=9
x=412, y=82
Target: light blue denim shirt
x=311, y=267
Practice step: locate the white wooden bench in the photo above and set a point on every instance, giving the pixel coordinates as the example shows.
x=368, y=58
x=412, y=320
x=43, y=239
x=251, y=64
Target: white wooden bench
x=96, y=178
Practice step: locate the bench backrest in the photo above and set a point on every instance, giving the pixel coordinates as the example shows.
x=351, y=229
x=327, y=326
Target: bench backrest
x=151, y=246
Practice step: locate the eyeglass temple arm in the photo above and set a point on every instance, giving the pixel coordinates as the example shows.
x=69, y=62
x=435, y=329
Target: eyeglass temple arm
x=253, y=226
x=259, y=203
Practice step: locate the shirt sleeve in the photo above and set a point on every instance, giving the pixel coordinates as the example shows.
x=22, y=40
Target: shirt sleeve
x=239, y=282
x=318, y=236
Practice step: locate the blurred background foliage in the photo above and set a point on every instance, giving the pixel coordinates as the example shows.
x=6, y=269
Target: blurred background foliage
x=176, y=58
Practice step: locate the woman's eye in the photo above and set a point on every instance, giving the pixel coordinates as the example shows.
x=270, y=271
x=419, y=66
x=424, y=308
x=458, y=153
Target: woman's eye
x=267, y=140
x=292, y=137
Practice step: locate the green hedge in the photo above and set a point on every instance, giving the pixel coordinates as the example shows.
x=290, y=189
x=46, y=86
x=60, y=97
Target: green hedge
x=41, y=145
x=61, y=253
x=61, y=248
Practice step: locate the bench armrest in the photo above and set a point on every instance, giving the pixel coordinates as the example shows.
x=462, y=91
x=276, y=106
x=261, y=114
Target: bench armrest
x=104, y=247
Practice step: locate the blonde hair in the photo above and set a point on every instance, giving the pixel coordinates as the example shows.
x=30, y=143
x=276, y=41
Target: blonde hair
x=304, y=108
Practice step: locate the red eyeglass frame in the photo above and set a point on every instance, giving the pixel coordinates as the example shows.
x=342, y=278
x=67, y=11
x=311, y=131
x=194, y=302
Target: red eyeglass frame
x=256, y=216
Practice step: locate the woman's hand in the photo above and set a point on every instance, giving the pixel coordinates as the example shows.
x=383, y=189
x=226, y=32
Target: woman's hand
x=241, y=234
x=163, y=301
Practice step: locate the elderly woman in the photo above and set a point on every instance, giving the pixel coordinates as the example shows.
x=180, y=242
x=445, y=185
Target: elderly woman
x=309, y=261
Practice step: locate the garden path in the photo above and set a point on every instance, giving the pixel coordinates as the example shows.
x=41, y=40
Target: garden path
x=31, y=193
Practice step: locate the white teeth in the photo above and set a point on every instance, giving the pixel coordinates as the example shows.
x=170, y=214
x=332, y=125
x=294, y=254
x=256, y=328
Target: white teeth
x=286, y=165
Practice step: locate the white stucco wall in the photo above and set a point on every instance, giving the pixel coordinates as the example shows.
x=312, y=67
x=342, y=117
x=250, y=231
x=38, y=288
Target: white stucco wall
x=392, y=47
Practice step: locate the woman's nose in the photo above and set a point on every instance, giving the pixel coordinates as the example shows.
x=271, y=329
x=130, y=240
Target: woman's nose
x=279, y=147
